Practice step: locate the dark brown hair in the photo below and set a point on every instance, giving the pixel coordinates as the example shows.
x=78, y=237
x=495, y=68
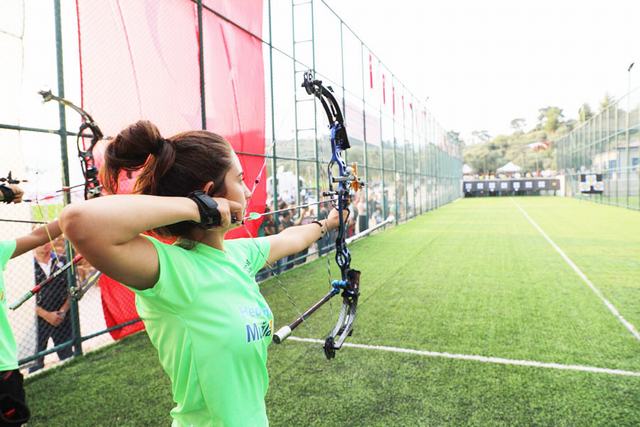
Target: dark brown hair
x=168, y=167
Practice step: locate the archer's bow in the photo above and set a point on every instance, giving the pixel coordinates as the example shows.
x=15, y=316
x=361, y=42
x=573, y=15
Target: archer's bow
x=92, y=187
x=346, y=183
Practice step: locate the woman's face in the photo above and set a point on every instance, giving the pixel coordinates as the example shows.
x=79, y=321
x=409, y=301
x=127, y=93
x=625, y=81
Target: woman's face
x=236, y=189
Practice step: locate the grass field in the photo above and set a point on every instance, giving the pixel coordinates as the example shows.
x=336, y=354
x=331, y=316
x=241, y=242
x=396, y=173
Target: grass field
x=474, y=278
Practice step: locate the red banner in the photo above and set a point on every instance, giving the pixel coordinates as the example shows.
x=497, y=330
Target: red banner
x=140, y=60
x=384, y=91
x=393, y=98
x=118, y=306
x=370, y=72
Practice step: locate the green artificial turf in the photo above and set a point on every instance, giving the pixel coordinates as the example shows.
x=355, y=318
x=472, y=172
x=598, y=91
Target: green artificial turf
x=474, y=278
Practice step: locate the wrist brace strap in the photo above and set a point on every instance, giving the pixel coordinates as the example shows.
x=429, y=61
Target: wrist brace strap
x=209, y=214
x=7, y=193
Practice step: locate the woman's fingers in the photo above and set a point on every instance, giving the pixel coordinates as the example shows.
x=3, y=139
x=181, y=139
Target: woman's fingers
x=18, y=193
x=230, y=211
x=235, y=210
x=333, y=220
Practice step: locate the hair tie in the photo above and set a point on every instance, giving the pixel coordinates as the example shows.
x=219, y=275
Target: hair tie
x=160, y=142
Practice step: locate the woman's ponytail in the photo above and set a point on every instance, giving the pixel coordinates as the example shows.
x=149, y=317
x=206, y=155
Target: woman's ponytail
x=130, y=150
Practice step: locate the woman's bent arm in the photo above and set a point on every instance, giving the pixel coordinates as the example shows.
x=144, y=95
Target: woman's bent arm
x=106, y=231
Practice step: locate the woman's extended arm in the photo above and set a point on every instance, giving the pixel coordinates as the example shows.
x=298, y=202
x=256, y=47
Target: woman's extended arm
x=106, y=231
x=37, y=237
x=295, y=239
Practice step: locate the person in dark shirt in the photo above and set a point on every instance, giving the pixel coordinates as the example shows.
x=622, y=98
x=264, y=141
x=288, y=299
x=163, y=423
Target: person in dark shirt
x=303, y=219
x=326, y=242
x=52, y=304
x=286, y=221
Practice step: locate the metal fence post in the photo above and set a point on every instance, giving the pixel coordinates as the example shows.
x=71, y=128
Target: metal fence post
x=71, y=279
x=203, y=103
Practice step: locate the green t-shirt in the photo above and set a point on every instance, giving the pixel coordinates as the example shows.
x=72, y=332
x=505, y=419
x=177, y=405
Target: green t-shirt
x=8, y=347
x=211, y=327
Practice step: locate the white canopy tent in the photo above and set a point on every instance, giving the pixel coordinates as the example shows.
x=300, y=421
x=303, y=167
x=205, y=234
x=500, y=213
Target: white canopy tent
x=510, y=168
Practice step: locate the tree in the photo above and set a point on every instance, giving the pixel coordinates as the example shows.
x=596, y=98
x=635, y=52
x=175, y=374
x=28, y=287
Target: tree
x=606, y=102
x=584, y=113
x=454, y=136
x=480, y=136
x=518, y=125
x=550, y=118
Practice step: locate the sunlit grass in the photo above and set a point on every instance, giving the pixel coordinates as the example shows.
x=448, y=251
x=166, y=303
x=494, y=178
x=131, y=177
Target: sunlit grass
x=473, y=278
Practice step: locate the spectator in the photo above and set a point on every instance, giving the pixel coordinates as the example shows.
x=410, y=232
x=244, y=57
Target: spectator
x=362, y=214
x=325, y=242
x=286, y=221
x=52, y=304
x=267, y=228
x=351, y=220
x=303, y=219
x=377, y=216
x=262, y=230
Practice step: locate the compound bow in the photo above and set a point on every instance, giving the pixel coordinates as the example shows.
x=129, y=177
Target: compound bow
x=347, y=182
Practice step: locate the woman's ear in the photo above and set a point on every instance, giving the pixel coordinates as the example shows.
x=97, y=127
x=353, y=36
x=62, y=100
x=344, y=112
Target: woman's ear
x=208, y=188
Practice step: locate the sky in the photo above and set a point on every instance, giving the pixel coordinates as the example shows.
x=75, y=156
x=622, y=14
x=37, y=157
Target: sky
x=483, y=63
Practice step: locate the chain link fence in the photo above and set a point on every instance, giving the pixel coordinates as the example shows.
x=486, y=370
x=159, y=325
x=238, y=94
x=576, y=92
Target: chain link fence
x=605, y=148
x=410, y=163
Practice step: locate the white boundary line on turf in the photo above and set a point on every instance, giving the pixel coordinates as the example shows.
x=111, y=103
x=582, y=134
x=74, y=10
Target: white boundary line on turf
x=583, y=276
x=482, y=359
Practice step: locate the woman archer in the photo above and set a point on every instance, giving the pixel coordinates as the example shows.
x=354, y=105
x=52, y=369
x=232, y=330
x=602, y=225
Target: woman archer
x=198, y=298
